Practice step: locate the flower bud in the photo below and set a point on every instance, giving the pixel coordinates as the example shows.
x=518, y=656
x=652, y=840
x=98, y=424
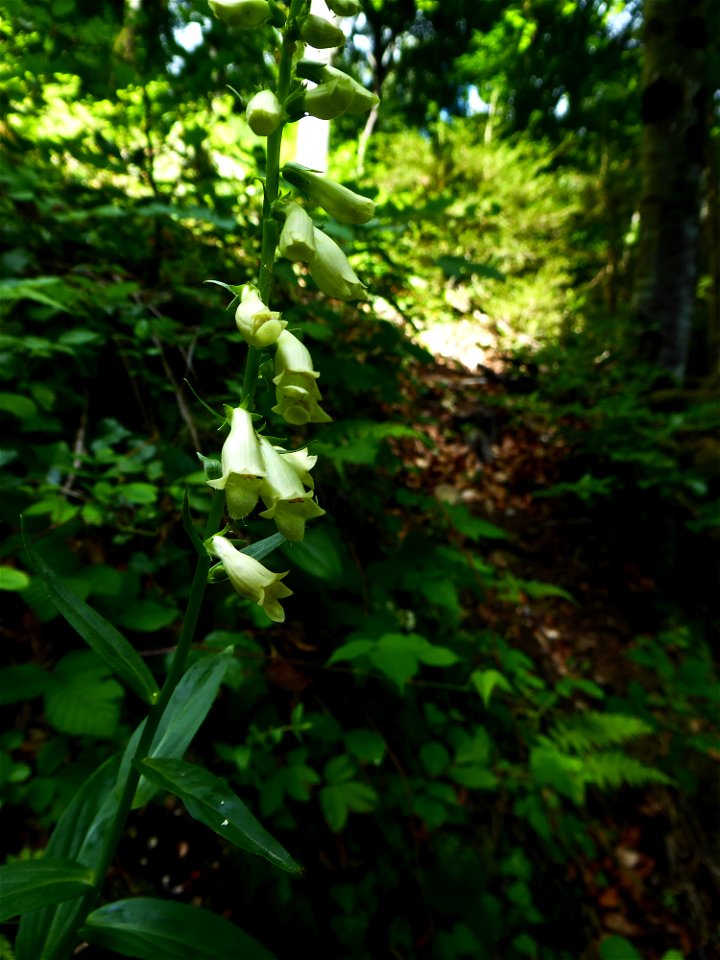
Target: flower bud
x=258, y=325
x=264, y=113
x=287, y=501
x=243, y=469
x=331, y=271
x=326, y=101
x=297, y=238
x=296, y=389
x=344, y=8
x=250, y=578
x=336, y=94
x=320, y=33
x=245, y=14
x=341, y=203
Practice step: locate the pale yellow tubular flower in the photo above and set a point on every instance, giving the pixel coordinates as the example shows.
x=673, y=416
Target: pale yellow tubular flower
x=297, y=238
x=283, y=493
x=243, y=469
x=339, y=201
x=296, y=390
x=331, y=270
x=251, y=579
x=258, y=325
x=264, y=113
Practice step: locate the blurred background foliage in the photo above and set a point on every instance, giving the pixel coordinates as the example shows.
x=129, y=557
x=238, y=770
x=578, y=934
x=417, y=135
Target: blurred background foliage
x=452, y=790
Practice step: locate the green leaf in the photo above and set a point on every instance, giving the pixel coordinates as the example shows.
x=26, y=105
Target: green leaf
x=485, y=681
x=319, y=555
x=32, y=884
x=82, y=699
x=397, y=664
x=23, y=681
x=438, y=657
x=22, y=407
x=95, y=630
x=27, y=289
x=352, y=650
x=12, y=579
x=147, y=616
x=339, y=799
x=366, y=745
x=435, y=758
x=139, y=493
x=618, y=948
x=476, y=778
x=551, y=768
x=460, y=268
x=210, y=800
x=79, y=835
x=262, y=548
x=475, y=528
x=162, y=930
x=188, y=707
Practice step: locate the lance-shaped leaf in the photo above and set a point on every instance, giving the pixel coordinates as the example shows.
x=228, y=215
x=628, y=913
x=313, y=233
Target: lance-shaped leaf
x=211, y=801
x=263, y=547
x=95, y=630
x=188, y=707
x=162, y=930
x=78, y=836
x=32, y=884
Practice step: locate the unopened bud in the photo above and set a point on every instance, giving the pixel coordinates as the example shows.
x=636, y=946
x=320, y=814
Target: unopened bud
x=331, y=271
x=320, y=33
x=264, y=113
x=326, y=101
x=244, y=14
x=258, y=325
x=341, y=203
x=335, y=87
x=297, y=240
x=344, y=8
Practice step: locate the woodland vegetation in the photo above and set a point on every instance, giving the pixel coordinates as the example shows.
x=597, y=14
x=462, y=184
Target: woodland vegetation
x=488, y=727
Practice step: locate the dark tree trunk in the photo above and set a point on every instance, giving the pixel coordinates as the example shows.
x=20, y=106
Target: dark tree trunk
x=674, y=117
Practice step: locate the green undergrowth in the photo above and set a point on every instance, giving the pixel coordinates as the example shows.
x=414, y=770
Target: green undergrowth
x=438, y=780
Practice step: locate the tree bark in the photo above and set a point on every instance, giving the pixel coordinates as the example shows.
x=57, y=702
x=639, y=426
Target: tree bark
x=672, y=158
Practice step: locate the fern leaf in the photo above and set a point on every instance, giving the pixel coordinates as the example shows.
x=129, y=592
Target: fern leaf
x=593, y=730
x=611, y=769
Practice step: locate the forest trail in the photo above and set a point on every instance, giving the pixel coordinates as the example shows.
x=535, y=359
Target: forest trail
x=576, y=608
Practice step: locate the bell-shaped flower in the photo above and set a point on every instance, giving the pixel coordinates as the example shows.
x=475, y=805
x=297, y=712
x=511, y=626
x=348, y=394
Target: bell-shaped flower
x=251, y=579
x=297, y=237
x=320, y=33
x=302, y=463
x=243, y=469
x=283, y=493
x=331, y=270
x=344, y=8
x=244, y=14
x=296, y=389
x=339, y=201
x=264, y=113
x=258, y=325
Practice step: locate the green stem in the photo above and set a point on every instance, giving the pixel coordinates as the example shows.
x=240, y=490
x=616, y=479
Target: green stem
x=177, y=668
x=272, y=190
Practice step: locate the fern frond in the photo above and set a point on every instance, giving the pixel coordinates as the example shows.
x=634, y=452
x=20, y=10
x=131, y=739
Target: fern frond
x=611, y=768
x=593, y=730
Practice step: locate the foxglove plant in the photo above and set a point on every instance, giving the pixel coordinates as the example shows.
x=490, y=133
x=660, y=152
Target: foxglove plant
x=56, y=896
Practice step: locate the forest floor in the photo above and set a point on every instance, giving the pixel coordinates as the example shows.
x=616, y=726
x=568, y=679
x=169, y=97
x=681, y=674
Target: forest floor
x=662, y=883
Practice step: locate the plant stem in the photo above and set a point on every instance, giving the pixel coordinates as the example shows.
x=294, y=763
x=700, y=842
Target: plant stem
x=177, y=668
x=272, y=189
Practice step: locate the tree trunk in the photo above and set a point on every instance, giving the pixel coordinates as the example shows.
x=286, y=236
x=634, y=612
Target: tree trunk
x=673, y=113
